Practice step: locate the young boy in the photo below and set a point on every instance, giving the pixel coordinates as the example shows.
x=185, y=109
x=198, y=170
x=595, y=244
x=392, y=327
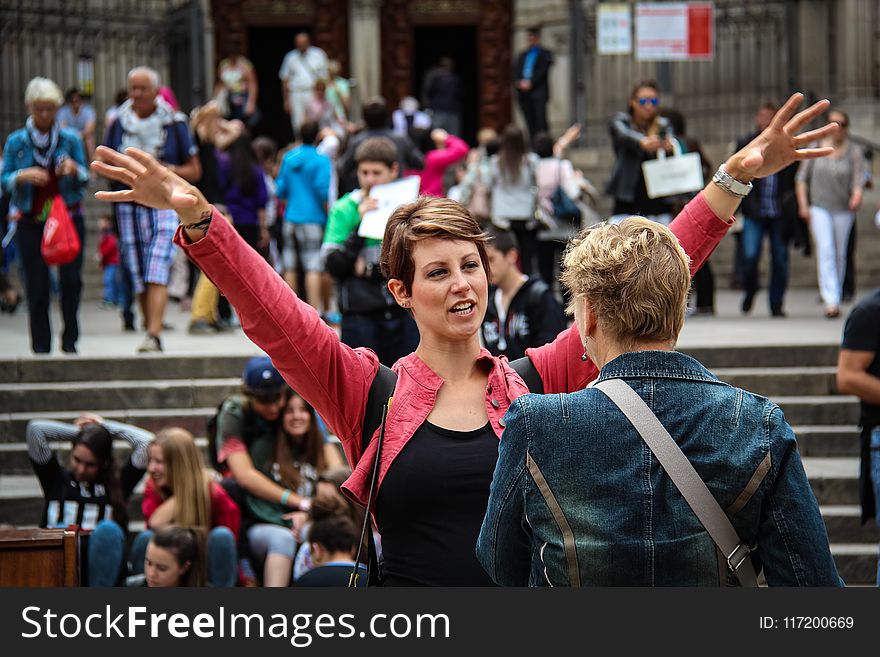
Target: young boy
x=370, y=317
x=304, y=183
x=333, y=543
x=522, y=310
x=108, y=257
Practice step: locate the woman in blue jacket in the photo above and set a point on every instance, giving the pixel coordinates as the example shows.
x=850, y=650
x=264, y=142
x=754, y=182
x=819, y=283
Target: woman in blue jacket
x=41, y=161
x=579, y=499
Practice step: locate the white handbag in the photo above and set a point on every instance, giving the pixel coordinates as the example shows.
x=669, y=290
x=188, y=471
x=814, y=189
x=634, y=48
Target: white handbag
x=668, y=176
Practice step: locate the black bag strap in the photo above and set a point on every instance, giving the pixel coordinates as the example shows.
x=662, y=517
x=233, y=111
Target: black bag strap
x=529, y=374
x=375, y=414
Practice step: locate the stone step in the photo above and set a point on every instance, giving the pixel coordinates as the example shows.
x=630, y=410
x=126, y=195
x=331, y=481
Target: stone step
x=14, y=457
x=766, y=356
x=835, y=480
x=844, y=524
x=770, y=382
x=162, y=393
x=13, y=425
x=39, y=369
x=831, y=440
x=856, y=563
x=819, y=410
x=36, y=369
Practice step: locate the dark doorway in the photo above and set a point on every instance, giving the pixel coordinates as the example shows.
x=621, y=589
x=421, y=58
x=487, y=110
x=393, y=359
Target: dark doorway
x=267, y=47
x=459, y=43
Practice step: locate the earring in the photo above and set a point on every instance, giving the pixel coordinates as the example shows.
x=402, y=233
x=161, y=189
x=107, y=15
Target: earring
x=404, y=304
x=584, y=357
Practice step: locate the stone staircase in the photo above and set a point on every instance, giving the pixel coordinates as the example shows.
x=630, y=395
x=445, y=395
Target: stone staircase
x=184, y=391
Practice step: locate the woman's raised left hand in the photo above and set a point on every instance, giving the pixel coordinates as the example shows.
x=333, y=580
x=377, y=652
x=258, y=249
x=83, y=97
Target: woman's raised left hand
x=782, y=142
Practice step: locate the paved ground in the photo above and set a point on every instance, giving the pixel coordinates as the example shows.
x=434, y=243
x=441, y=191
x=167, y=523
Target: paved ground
x=102, y=335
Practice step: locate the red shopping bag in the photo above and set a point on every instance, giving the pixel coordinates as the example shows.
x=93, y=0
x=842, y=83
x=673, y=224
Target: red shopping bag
x=61, y=243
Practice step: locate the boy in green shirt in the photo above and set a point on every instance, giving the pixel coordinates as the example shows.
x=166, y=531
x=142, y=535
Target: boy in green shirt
x=370, y=316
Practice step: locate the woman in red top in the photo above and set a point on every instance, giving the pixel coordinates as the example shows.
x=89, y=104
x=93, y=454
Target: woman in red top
x=181, y=491
x=442, y=430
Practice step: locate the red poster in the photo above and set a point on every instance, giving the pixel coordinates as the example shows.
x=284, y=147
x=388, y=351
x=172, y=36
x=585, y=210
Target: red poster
x=700, y=30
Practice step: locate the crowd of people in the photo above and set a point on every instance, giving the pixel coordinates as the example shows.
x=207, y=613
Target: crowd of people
x=463, y=298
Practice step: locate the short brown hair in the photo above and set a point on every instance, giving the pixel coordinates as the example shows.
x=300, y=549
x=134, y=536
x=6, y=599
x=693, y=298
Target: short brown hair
x=422, y=219
x=636, y=277
x=377, y=149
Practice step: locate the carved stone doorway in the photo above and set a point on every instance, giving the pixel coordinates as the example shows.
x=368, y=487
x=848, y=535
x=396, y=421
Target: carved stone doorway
x=475, y=33
x=266, y=29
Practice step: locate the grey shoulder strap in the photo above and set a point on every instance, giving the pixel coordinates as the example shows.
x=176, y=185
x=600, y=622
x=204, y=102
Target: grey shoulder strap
x=685, y=478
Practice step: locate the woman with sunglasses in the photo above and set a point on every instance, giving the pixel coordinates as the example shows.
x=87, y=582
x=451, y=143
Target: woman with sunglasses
x=442, y=430
x=638, y=134
x=829, y=193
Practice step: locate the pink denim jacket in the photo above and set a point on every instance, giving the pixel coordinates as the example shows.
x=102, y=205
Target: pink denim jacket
x=335, y=379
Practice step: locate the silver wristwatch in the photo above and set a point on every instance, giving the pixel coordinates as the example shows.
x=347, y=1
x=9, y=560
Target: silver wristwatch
x=730, y=184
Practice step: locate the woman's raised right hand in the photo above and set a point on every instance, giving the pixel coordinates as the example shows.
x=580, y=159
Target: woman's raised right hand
x=151, y=184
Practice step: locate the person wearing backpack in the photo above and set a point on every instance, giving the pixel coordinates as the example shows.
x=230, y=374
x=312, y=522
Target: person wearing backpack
x=522, y=311
x=581, y=495
x=247, y=435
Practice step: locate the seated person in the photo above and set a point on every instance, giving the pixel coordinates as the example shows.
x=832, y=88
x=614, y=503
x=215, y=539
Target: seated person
x=181, y=491
x=577, y=497
x=175, y=557
x=333, y=543
x=92, y=493
x=254, y=451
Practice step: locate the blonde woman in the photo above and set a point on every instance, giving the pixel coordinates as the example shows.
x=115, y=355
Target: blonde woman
x=181, y=492
x=578, y=499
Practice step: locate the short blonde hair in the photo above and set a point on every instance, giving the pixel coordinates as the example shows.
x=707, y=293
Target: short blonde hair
x=636, y=277
x=43, y=89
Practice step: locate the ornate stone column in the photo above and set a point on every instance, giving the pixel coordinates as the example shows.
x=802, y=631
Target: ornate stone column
x=364, y=42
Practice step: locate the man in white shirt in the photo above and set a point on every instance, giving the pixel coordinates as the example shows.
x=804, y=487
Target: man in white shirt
x=301, y=68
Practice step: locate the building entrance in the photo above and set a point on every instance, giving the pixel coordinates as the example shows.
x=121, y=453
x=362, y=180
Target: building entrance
x=459, y=43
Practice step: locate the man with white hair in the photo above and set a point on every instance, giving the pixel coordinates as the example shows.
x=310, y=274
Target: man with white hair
x=301, y=68
x=145, y=121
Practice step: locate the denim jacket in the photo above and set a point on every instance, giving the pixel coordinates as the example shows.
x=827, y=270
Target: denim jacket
x=579, y=498
x=18, y=154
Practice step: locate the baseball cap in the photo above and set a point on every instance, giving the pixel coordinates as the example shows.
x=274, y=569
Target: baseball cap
x=261, y=376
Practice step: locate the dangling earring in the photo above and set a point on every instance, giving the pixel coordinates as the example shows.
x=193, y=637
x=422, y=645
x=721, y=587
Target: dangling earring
x=584, y=357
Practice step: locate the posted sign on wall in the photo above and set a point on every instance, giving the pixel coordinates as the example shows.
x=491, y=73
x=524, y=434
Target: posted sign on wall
x=675, y=31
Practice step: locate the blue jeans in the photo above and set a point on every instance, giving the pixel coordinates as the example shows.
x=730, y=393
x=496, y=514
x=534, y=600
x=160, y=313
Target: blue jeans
x=111, y=284
x=753, y=233
x=106, y=554
x=222, y=556
x=875, y=477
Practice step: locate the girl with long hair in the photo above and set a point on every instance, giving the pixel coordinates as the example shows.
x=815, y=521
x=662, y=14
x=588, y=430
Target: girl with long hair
x=245, y=194
x=175, y=556
x=515, y=192
x=92, y=492
x=181, y=492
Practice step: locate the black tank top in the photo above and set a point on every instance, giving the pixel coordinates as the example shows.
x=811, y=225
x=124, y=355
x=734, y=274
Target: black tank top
x=431, y=506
